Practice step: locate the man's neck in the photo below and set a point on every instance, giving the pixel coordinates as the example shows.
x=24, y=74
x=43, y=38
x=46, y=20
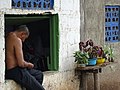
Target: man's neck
x=17, y=34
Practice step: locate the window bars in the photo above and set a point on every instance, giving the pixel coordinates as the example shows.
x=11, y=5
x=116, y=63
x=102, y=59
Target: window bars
x=33, y=4
x=112, y=23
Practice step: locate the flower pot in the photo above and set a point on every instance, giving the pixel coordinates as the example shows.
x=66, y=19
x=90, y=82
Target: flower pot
x=81, y=65
x=100, y=61
x=92, y=61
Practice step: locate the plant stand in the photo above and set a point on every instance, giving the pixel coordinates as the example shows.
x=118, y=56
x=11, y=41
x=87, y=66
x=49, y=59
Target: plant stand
x=83, y=79
x=84, y=76
x=95, y=70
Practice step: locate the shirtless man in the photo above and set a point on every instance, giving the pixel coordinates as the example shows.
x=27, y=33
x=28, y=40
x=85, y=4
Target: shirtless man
x=17, y=68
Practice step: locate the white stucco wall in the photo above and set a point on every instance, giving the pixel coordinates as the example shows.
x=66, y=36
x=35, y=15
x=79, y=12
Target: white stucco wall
x=2, y=51
x=69, y=26
x=69, y=22
x=5, y=4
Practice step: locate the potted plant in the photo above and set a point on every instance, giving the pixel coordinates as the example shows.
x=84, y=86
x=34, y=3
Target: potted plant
x=96, y=54
x=101, y=56
x=93, y=54
x=89, y=48
x=106, y=55
x=109, y=54
x=81, y=58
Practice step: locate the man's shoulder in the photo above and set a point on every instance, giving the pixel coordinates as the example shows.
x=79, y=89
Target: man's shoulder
x=13, y=37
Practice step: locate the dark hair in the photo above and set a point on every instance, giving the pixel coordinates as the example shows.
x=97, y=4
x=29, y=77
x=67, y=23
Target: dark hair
x=22, y=28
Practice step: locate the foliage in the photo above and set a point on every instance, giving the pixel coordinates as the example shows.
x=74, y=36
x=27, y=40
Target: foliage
x=88, y=51
x=109, y=54
x=81, y=57
x=95, y=51
x=92, y=50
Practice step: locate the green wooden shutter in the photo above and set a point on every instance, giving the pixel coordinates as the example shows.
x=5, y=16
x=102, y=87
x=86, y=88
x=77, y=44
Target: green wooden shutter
x=54, y=43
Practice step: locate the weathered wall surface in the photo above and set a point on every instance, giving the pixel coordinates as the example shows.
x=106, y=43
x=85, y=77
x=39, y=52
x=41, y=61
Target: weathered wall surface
x=5, y=4
x=92, y=21
x=11, y=85
x=69, y=27
x=61, y=81
x=2, y=51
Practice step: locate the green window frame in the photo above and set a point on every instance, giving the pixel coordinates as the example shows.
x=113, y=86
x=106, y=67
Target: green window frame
x=54, y=43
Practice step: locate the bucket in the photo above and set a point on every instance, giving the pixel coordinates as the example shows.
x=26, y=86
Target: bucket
x=100, y=61
x=92, y=61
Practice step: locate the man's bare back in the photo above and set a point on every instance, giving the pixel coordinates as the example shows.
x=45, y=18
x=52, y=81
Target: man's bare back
x=14, y=53
x=10, y=52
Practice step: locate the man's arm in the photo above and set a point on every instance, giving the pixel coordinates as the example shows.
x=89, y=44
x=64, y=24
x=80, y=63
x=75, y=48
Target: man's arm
x=19, y=55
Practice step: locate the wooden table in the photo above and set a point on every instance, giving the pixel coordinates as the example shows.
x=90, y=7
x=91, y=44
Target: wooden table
x=91, y=69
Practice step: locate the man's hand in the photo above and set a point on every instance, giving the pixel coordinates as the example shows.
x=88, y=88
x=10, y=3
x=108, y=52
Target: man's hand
x=30, y=65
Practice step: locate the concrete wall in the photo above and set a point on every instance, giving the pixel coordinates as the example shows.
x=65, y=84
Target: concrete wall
x=2, y=51
x=69, y=26
x=92, y=26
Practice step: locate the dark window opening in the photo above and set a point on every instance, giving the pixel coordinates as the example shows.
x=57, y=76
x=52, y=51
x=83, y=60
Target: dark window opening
x=41, y=48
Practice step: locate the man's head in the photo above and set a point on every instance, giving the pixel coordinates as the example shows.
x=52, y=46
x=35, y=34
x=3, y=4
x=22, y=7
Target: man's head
x=22, y=32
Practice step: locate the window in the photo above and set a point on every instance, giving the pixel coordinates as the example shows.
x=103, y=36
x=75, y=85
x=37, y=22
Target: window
x=112, y=23
x=33, y=4
x=43, y=26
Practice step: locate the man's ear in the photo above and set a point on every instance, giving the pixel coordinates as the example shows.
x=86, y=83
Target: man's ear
x=22, y=33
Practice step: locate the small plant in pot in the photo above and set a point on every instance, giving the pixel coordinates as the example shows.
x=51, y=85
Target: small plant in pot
x=91, y=54
x=105, y=55
x=109, y=54
x=81, y=58
x=101, y=56
x=92, y=50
